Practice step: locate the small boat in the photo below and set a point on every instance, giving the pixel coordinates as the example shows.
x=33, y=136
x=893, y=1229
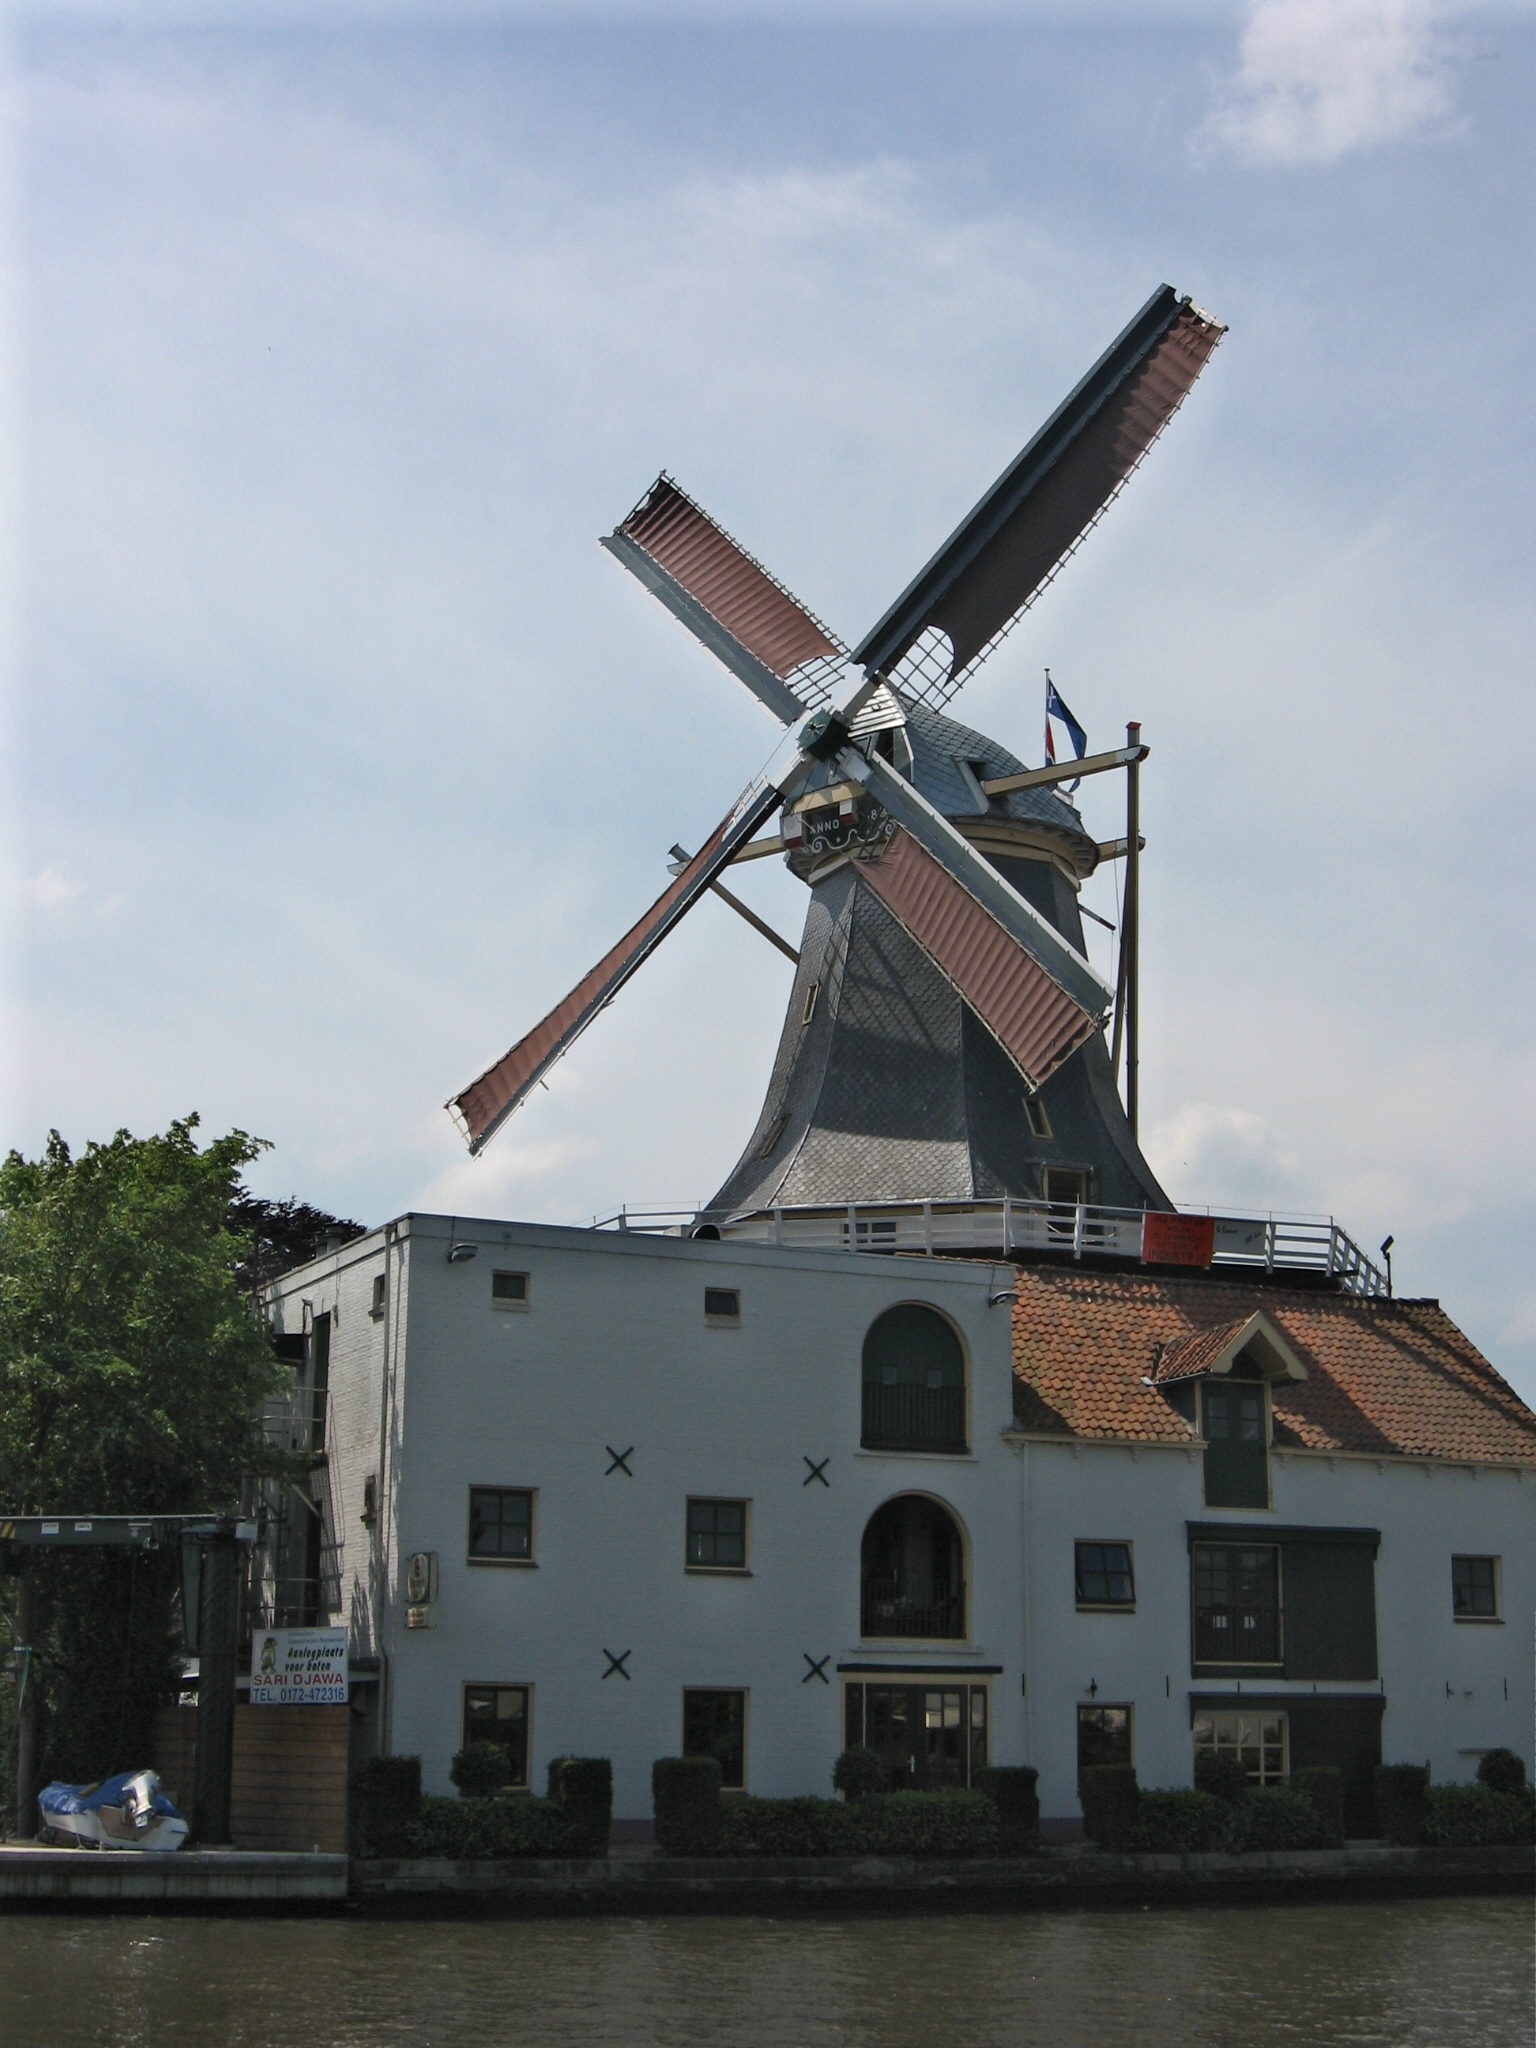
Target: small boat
x=126, y=1812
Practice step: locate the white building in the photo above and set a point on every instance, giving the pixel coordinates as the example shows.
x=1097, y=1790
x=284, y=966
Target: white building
x=646, y=1485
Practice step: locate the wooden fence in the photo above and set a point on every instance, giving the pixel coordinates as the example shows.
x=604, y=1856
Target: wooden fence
x=289, y=1789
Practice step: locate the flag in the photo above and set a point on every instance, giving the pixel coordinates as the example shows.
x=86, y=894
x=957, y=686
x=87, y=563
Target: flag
x=1056, y=708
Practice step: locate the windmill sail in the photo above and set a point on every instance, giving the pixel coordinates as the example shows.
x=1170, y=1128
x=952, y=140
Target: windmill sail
x=1006, y=550
x=767, y=639
x=482, y=1107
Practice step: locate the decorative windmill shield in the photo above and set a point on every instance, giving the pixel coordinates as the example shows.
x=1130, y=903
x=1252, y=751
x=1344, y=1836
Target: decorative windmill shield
x=921, y=859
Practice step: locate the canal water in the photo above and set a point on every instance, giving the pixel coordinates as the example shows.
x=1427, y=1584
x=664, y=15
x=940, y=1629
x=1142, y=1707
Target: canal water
x=1442, y=1973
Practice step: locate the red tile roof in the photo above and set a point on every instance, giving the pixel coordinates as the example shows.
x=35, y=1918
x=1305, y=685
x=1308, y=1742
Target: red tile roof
x=1187, y=1356
x=1393, y=1378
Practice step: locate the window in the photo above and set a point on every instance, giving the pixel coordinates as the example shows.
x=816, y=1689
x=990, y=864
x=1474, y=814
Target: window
x=1104, y=1575
x=1103, y=1736
x=717, y=1535
x=775, y=1132
x=1039, y=1122
x=1261, y=1740
x=1236, y=1420
x=499, y=1714
x=380, y=1295
x=722, y=1304
x=914, y=1382
x=1237, y=1603
x=715, y=1724
x=912, y=1571
x=500, y=1525
x=928, y=1736
x=810, y=1003
x=1475, y=1588
x=509, y=1290
x=1064, y=1187
x=319, y=1381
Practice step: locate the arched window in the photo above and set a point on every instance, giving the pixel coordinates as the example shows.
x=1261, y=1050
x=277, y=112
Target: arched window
x=914, y=1382
x=912, y=1571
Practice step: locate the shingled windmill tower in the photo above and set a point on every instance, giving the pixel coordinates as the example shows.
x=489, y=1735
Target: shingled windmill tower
x=945, y=1036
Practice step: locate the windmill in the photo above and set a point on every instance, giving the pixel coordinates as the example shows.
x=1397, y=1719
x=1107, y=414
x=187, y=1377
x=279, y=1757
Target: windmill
x=944, y=1035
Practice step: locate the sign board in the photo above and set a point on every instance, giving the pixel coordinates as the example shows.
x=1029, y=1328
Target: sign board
x=299, y=1667
x=1168, y=1240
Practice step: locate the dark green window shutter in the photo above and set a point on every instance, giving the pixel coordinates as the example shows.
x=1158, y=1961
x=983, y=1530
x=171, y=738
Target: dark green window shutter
x=1237, y=1448
x=1328, y=1598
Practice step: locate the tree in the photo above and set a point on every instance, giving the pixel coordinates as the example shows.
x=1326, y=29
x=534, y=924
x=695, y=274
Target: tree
x=282, y=1235
x=132, y=1373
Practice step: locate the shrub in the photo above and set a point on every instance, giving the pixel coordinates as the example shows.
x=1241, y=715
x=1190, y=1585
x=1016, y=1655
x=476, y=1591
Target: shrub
x=1401, y=1792
x=1273, y=1817
x=859, y=1772
x=685, y=1794
x=927, y=1824
x=474, y=1829
x=479, y=1770
x=788, y=1827
x=1011, y=1789
x=1502, y=1771
x=1220, y=1772
x=582, y=1788
x=1323, y=1784
x=1108, y=1795
x=386, y=1798
x=1478, y=1816
x=1179, y=1823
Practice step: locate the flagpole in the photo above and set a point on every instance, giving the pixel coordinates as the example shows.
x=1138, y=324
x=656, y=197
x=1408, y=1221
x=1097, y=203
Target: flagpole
x=1130, y=936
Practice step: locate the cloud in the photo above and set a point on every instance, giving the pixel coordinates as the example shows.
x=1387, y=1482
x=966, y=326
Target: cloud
x=1230, y=1156
x=1318, y=79
x=50, y=888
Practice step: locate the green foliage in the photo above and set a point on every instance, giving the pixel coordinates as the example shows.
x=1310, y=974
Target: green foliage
x=277, y=1236
x=472, y=1830
x=131, y=1372
x=1402, y=1791
x=858, y=1772
x=1220, y=1772
x=1478, y=1816
x=1011, y=1789
x=685, y=1794
x=1323, y=1784
x=480, y=1770
x=386, y=1799
x=1179, y=1823
x=1274, y=1817
x=1108, y=1795
x=879, y=1824
x=582, y=1787
x=1502, y=1771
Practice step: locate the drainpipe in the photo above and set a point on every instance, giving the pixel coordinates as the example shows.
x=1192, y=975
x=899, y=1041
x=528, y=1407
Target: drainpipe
x=1029, y=1662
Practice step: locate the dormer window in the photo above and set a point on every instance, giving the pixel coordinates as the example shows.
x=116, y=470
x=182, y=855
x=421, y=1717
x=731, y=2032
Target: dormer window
x=1234, y=1417
x=1229, y=1368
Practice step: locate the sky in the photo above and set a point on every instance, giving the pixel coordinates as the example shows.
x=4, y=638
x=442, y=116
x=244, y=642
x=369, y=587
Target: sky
x=335, y=750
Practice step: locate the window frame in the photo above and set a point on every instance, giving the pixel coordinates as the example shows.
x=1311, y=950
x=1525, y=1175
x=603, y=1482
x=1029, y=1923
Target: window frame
x=1260, y=1666
x=1089, y=1707
x=880, y=1434
x=514, y=1302
x=379, y=1298
x=722, y=1318
x=1229, y=1387
x=741, y=1692
x=1494, y=1619
x=718, y=1571
x=493, y=1685
x=528, y=1563
x=1080, y=1543
x=1216, y=1715
x=1039, y=1122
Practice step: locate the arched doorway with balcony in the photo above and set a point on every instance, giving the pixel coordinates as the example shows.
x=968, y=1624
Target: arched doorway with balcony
x=912, y=1572
x=914, y=1382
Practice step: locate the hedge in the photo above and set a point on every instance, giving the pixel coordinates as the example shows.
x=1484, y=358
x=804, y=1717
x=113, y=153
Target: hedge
x=858, y=1772
x=1108, y=1795
x=1178, y=1823
x=1476, y=1816
x=469, y=1830
x=685, y=1794
x=480, y=1770
x=386, y=1798
x=582, y=1788
x=1275, y=1817
x=1401, y=1794
x=1502, y=1771
x=1323, y=1784
x=1221, y=1772
x=1011, y=1789
x=883, y=1824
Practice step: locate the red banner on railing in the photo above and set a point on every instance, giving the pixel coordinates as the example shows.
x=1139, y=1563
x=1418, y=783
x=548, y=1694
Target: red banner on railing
x=1177, y=1240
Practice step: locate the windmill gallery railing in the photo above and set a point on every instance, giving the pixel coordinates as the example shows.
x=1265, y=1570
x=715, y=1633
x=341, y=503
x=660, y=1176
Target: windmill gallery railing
x=1291, y=1244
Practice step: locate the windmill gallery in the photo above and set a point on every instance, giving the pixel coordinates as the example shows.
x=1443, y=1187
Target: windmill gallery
x=939, y=1429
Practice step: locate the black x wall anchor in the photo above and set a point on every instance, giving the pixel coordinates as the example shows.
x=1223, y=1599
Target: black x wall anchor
x=617, y=1663
x=818, y=1667
x=817, y=1472
x=620, y=1460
